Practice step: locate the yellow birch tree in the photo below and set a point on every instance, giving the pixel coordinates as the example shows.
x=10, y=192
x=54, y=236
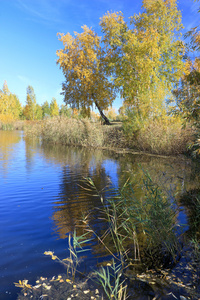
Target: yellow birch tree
x=83, y=64
x=10, y=106
x=145, y=61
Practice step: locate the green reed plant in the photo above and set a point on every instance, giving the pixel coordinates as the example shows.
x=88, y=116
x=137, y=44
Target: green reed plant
x=141, y=222
x=7, y=126
x=110, y=279
x=75, y=244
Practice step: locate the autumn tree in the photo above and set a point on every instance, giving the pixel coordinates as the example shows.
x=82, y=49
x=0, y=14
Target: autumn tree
x=187, y=92
x=146, y=60
x=84, y=66
x=54, y=108
x=10, y=106
x=31, y=104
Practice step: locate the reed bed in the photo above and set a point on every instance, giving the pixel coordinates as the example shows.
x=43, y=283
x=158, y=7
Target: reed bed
x=160, y=136
x=164, y=137
x=68, y=131
x=13, y=125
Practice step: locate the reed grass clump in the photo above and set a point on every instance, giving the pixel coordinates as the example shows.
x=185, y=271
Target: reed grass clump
x=141, y=222
x=166, y=136
x=68, y=131
x=13, y=125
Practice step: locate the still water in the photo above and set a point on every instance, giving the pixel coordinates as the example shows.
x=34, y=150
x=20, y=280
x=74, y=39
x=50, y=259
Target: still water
x=42, y=198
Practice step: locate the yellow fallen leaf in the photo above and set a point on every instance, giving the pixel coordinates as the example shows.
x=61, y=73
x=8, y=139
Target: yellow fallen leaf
x=47, y=287
x=54, y=257
x=37, y=286
x=48, y=253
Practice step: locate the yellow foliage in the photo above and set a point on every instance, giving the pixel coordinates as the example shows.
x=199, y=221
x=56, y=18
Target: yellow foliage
x=83, y=63
x=6, y=118
x=10, y=106
x=139, y=58
x=111, y=113
x=75, y=112
x=54, y=108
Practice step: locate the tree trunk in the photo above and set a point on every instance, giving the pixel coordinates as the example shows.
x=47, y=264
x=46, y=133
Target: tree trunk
x=107, y=122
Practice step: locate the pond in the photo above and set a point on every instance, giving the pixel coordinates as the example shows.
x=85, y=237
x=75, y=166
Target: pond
x=42, y=197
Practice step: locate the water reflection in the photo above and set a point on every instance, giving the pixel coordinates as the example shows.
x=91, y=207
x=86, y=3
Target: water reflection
x=77, y=199
x=74, y=201
x=8, y=140
x=191, y=201
x=54, y=198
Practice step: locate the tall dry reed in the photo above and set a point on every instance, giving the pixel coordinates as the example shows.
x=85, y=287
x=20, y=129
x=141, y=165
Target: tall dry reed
x=69, y=131
x=162, y=136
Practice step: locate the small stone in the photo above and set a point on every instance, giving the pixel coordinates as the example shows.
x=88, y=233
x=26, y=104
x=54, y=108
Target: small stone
x=86, y=292
x=96, y=291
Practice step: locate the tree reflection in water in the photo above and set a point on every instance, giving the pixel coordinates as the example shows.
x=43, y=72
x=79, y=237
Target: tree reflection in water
x=8, y=139
x=75, y=201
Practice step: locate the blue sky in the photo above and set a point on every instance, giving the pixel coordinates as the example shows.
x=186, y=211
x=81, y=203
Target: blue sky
x=28, y=32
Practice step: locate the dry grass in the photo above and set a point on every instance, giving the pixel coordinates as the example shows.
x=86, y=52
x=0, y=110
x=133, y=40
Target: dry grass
x=13, y=125
x=66, y=131
x=114, y=136
x=166, y=137
x=161, y=136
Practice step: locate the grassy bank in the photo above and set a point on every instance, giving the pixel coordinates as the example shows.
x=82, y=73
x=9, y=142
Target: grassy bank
x=155, y=136
x=159, y=136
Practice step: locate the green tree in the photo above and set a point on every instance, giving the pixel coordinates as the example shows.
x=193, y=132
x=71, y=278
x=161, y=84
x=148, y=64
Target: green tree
x=187, y=92
x=65, y=111
x=46, y=109
x=54, y=108
x=83, y=64
x=39, y=112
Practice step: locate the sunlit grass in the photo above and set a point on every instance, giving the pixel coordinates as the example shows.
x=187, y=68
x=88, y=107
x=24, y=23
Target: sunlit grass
x=166, y=136
x=68, y=131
